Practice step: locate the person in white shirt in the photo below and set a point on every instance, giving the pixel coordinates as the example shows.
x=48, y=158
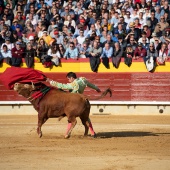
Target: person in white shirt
x=5, y=54
x=8, y=43
x=81, y=37
x=55, y=54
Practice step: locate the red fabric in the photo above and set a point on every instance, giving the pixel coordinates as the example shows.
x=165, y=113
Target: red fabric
x=13, y=75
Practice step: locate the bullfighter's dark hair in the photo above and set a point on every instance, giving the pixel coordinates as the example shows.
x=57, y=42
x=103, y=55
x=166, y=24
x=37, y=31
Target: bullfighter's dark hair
x=71, y=74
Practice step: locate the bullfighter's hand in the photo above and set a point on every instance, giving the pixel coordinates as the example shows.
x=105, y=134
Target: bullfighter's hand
x=48, y=80
x=98, y=90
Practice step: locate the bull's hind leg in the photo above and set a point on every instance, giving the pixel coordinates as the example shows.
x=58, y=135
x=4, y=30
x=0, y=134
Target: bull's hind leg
x=85, y=126
x=89, y=124
x=72, y=123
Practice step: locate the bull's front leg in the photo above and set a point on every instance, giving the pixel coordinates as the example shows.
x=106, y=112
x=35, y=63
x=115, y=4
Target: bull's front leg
x=70, y=126
x=41, y=121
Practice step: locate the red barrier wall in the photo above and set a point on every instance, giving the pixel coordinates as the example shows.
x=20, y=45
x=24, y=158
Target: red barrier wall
x=125, y=86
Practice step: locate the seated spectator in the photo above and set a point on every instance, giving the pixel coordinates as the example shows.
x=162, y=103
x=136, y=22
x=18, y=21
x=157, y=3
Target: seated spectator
x=117, y=54
x=30, y=53
x=18, y=30
x=32, y=42
x=163, y=54
x=59, y=22
x=7, y=21
x=6, y=54
x=14, y=37
x=144, y=43
x=42, y=48
x=54, y=52
x=21, y=18
x=76, y=44
x=81, y=37
x=106, y=54
x=52, y=25
x=24, y=37
x=71, y=52
x=115, y=36
x=158, y=30
x=146, y=30
x=33, y=20
x=92, y=31
x=128, y=55
x=135, y=31
x=47, y=38
x=30, y=30
x=95, y=53
x=15, y=25
x=59, y=38
x=62, y=50
x=17, y=55
x=70, y=23
x=84, y=50
x=139, y=52
x=163, y=24
x=150, y=59
x=66, y=43
x=8, y=44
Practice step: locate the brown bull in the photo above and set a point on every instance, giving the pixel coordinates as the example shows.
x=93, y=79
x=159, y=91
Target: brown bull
x=51, y=102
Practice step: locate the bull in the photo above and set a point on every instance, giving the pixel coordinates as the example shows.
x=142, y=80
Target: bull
x=51, y=102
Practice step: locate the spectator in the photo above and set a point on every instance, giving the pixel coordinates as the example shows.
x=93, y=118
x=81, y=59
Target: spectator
x=7, y=21
x=106, y=54
x=163, y=54
x=95, y=53
x=139, y=52
x=15, y=25
x=150, y=59
x=17, y=55
x=159, y=12
x=65, y=43
x=163, y=24
x=70, y=23
x=81, y=37
x=54, y=52
x=6, y=54
x=117, y=54
x=84, y=50
x=30, y=53
x=14, y=37
x=128, y=55
x=59, y=38
x=47, y=38
x=71, y=52
x=42, y=48
x=62, y=50
x=153, y=21
x=8, y=44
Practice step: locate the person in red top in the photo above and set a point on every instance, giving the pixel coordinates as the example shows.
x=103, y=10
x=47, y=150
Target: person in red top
x=17, y=54
x=139, y=52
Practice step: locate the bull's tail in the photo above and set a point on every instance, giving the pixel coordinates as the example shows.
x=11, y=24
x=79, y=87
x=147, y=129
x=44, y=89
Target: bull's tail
x=108, y=90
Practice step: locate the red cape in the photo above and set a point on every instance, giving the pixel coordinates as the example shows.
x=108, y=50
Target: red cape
x=13, y=75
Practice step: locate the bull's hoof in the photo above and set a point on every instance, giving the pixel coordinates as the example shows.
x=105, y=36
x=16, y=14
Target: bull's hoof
x=94, y=136
x=67, y=136
x=40, y=134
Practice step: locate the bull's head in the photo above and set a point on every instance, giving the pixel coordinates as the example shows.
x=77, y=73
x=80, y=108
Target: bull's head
x=24, y=89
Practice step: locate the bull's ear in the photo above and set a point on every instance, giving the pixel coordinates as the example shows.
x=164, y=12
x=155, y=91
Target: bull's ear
x=27, y=86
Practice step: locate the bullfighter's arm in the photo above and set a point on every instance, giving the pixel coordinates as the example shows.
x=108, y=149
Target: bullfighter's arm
x=90, y=84
x=67, y=86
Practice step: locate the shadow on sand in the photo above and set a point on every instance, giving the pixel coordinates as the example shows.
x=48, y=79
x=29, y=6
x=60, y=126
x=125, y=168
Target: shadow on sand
x=124, y=134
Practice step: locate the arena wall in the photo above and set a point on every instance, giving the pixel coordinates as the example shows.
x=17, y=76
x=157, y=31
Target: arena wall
x=135, y=90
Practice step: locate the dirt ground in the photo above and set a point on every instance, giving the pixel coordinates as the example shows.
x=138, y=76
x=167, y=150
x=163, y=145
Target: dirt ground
x=122, y=143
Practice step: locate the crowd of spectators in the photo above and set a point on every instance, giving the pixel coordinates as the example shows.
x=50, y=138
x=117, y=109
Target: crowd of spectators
x=101, y=30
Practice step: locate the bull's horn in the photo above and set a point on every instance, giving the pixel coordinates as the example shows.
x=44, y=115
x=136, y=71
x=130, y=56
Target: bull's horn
x=33, y=85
